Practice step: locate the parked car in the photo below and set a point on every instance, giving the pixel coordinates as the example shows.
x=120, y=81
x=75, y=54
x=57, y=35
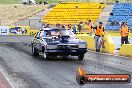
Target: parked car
x=58, y=42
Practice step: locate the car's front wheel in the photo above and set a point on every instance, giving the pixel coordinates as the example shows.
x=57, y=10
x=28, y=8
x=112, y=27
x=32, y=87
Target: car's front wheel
x=81, y=56
x=35, y=51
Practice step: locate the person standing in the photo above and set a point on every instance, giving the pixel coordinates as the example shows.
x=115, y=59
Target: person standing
x=45, y=2
x=69, y=27
x=58, y=25
x=124, y=31
x=99, y=31
x=74, y=29
x=71, y=33
x=63, y=26
x=90, y=27
x=80, y=26
x=45, y=26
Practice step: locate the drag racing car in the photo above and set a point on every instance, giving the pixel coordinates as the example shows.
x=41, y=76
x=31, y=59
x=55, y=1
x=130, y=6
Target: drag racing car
x=53, y=42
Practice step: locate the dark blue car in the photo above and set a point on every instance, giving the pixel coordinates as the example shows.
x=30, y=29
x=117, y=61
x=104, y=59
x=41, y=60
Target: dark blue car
x=58, y=42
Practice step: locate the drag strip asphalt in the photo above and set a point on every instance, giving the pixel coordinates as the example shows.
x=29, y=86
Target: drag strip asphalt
x=27, y=71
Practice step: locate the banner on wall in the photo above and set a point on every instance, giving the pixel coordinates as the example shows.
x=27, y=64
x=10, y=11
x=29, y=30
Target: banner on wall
x=19, y=30
x=4, y=30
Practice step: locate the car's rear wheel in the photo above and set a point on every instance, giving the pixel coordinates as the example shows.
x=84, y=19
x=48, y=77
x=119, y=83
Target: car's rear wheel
x=46, y=55
x=81, y=56
x=35, y=51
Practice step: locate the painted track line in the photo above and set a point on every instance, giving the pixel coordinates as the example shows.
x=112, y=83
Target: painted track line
x=8, y=78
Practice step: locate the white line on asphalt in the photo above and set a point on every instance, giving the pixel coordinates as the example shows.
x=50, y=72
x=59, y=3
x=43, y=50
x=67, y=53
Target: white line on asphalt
x=8, y=78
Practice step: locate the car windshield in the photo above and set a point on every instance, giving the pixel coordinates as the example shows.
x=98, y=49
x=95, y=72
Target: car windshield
x=59, y=32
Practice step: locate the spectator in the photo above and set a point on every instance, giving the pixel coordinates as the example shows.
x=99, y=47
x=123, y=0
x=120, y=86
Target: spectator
x=63, y=26
x=111, y=14
x=58, y=25
x=112, y=23
x=69, y=26
x=90, y=27
x=74, y=29
x=76, y=6
x=45, y=2
x=41, y=32
x=80, y=26
x=124, y=31
x=99, y=7
x=43, y=25
x=40, y=2
x=117, y=1
x=47, y=26
x=115, y=23
x=99, y=30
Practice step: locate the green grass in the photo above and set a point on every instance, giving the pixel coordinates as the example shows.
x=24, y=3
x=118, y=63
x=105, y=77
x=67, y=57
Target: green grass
x=10, y=1
x=10, y=14
x=56, y=1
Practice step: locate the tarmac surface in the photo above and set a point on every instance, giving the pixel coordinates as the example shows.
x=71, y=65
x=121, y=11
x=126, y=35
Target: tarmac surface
x=26, y=71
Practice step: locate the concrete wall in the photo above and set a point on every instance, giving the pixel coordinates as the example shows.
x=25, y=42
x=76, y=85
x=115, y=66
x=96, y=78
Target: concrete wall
x=108, y=43
x=126, y=50
x=88, y=39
